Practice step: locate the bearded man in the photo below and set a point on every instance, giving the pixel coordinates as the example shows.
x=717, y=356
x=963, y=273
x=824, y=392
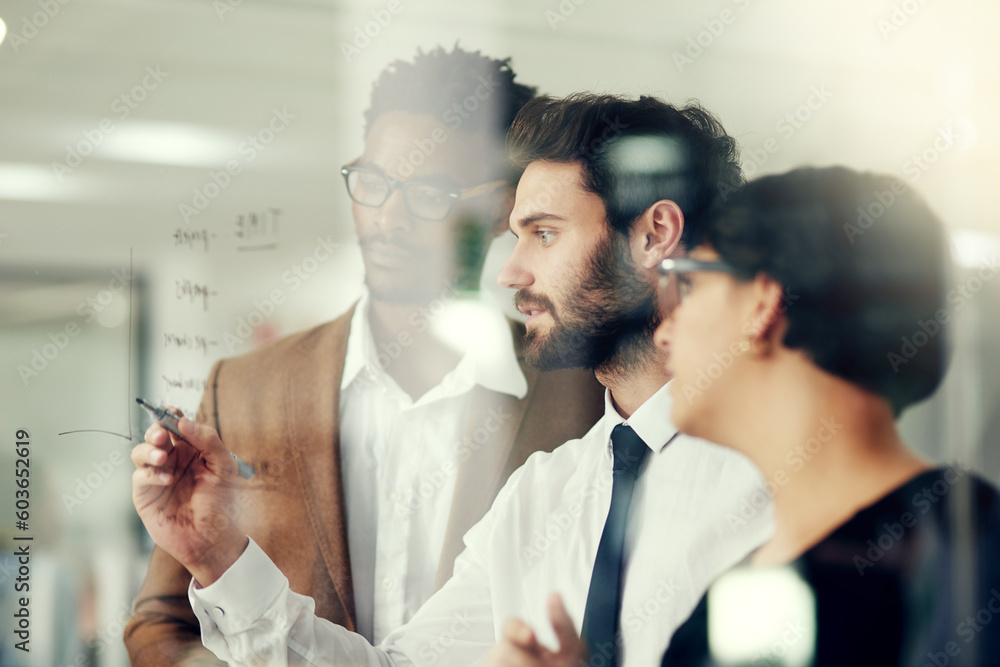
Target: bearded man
x=629, y=523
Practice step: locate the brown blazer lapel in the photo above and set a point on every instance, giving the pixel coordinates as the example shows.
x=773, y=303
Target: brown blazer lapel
x=482, y=463
x=558, y=406
x=312, y=406
x=481, y=469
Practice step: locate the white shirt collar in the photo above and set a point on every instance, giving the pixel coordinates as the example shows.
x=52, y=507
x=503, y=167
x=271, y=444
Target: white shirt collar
x=489, y=360
x=651, y=421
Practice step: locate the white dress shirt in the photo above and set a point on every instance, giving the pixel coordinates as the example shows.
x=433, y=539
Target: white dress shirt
x=688, y=523
x=399, y=459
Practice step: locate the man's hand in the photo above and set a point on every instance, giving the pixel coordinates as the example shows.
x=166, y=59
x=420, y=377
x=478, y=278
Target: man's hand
x=183, y=491
x=520, y=648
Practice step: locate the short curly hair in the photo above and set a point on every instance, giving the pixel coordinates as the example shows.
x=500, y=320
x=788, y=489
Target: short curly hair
x=461, y=88
x=634, y=152
x=865, y=263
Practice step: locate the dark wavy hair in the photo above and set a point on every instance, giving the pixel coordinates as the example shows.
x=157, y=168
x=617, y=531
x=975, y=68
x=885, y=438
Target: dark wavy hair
x=436, y=81
x=634, y=152
x=864, y=262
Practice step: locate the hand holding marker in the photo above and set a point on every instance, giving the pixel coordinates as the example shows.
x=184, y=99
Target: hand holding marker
x=169, y=421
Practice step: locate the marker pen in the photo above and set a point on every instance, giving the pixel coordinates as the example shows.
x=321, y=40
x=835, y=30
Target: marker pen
x=168, y=420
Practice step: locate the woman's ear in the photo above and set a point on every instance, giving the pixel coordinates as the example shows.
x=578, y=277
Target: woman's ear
x=767, y=324
x=656, y=233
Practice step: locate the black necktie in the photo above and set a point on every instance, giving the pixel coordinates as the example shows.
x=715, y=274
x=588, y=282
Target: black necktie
x=600, y=620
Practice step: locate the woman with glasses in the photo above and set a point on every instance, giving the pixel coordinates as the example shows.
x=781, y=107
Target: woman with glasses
x=799, y=338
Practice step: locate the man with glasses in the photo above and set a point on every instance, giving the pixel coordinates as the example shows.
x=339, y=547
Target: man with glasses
x=370, y=186
x=381, y=437
x=629, y=523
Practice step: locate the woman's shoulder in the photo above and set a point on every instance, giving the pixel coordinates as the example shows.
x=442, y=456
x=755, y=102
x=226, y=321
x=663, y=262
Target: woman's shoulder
x=940, y=501
x=903, y=558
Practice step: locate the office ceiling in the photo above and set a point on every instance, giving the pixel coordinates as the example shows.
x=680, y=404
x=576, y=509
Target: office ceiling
x=211, y=74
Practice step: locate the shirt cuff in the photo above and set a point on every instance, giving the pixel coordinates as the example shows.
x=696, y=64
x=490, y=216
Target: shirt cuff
x=242, y=594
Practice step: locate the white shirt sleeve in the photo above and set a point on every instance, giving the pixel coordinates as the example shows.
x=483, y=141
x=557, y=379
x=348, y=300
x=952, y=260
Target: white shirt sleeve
x=249, y=616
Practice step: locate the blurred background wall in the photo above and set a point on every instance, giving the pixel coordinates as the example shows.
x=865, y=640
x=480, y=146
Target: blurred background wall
x=169, y=168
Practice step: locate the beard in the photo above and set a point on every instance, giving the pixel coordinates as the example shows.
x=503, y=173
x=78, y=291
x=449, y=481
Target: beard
x=605, y=323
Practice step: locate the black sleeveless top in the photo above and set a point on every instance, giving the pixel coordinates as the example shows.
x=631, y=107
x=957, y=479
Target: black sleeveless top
x=913, y=579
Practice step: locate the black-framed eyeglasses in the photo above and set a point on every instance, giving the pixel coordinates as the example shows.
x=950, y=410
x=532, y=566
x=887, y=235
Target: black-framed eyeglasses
x=370, y=186
x=680, y=267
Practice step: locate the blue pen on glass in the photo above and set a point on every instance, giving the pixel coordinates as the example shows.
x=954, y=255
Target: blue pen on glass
x=168, y=420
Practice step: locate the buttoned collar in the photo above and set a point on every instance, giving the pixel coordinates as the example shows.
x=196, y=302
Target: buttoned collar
x=651, y=421
x=488, y=359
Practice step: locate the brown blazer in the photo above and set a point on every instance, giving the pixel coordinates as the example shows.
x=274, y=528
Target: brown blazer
x=277, y=408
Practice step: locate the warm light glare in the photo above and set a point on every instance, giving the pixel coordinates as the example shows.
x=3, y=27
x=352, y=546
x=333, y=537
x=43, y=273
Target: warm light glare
x=647, y=155
x=973, y=249
x=3, y=30
x=167, y=143
x=467, y=325
x=29, y=182
x=963, y=132
x=762, y=616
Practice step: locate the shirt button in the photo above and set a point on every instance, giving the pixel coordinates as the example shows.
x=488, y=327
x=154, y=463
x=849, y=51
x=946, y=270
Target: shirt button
x=387, y=584
x=219, y=611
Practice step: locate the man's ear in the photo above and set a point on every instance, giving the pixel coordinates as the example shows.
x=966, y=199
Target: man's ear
x=502, y=207
x=656, y=233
